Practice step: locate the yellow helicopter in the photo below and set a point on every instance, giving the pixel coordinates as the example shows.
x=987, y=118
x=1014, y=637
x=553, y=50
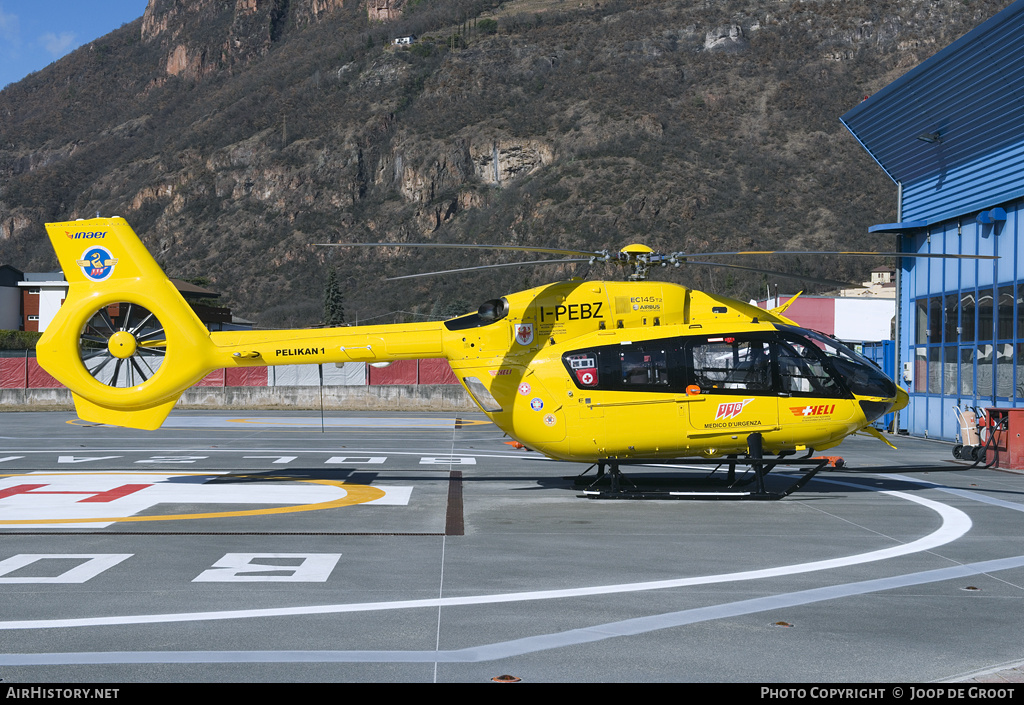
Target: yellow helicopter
x=608, y=372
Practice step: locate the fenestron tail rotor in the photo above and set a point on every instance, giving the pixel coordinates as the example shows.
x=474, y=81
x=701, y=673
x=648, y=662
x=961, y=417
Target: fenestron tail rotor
x=122, y=345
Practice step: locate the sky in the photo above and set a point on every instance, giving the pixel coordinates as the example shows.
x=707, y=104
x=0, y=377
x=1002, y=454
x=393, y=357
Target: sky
x=35, y=33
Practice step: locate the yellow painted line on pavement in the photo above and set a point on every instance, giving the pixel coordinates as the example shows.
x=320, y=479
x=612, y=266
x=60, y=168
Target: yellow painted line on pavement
x=354, y=494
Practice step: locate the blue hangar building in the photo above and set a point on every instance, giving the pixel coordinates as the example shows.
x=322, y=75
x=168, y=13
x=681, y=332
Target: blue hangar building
x=950, y=134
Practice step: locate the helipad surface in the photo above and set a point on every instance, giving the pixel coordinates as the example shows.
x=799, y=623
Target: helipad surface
x=418, y=547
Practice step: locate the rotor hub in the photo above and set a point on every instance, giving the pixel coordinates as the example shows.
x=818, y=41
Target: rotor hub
x=122, y=345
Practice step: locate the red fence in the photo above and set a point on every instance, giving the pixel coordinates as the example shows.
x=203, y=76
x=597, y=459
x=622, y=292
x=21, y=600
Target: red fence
x=23, y=372
x=433, y=371
x=237, y=377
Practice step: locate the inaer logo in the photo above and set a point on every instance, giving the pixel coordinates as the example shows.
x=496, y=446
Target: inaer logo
x=85, y=236
x=97, y=263
x=732, y=409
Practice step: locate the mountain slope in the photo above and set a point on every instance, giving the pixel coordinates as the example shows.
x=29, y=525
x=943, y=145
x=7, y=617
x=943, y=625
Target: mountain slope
x=233, y=138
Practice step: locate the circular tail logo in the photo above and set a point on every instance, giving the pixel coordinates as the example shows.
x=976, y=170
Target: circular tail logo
x=97, y=263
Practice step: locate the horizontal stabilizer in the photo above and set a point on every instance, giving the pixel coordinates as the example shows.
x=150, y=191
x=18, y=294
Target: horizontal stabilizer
x=146, y=419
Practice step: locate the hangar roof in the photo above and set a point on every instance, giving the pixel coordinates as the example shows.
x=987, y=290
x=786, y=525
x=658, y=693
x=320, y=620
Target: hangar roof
x=951, y=130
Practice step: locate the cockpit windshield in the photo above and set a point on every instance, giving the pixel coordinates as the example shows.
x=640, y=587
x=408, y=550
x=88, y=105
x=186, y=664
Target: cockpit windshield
x=860, y=374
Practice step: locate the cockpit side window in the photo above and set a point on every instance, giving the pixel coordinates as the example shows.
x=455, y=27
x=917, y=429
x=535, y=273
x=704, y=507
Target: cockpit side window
x=802, y=371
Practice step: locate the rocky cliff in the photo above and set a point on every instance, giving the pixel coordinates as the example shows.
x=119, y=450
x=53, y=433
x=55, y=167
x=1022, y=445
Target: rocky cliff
x=233, y=136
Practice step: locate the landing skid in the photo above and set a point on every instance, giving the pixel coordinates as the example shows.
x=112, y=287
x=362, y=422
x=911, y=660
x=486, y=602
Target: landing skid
x=613, y=483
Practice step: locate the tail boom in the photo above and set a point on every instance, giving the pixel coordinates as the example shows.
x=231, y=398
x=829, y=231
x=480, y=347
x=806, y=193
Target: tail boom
x=123, y=313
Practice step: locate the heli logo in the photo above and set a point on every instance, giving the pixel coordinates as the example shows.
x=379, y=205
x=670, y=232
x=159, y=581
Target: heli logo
x=813, y=410
x=732, y=409
x=85, y=236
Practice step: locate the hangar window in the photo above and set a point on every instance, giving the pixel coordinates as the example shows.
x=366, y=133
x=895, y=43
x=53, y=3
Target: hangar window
x=921, y=320
x=941, y=367
x=967, y=371
x=949, y=369
x=935, y=319
x=1020, y=370
x=934, y=370
x=1004, y=324
x=967, y=316
x=984, y=357
x=951, y=315
x=1004, y=369
x=1020, y=312
x=985, y=314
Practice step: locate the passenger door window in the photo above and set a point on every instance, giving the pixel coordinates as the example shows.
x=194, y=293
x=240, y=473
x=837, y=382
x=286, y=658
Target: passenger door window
x=731, y=365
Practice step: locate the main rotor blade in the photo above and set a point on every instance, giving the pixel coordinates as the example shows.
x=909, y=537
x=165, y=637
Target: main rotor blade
x=783, y=275
x=514, y=248
x=488, y=266
x=843, y=254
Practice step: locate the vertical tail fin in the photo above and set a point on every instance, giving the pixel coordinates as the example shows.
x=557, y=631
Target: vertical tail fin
x=124, y=341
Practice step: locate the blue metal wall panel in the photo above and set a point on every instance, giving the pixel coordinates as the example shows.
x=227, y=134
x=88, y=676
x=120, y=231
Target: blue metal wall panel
x=984, y=182
x=922, y=415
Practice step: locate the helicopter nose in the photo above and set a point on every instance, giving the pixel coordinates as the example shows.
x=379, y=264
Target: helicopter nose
x=902, y=399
